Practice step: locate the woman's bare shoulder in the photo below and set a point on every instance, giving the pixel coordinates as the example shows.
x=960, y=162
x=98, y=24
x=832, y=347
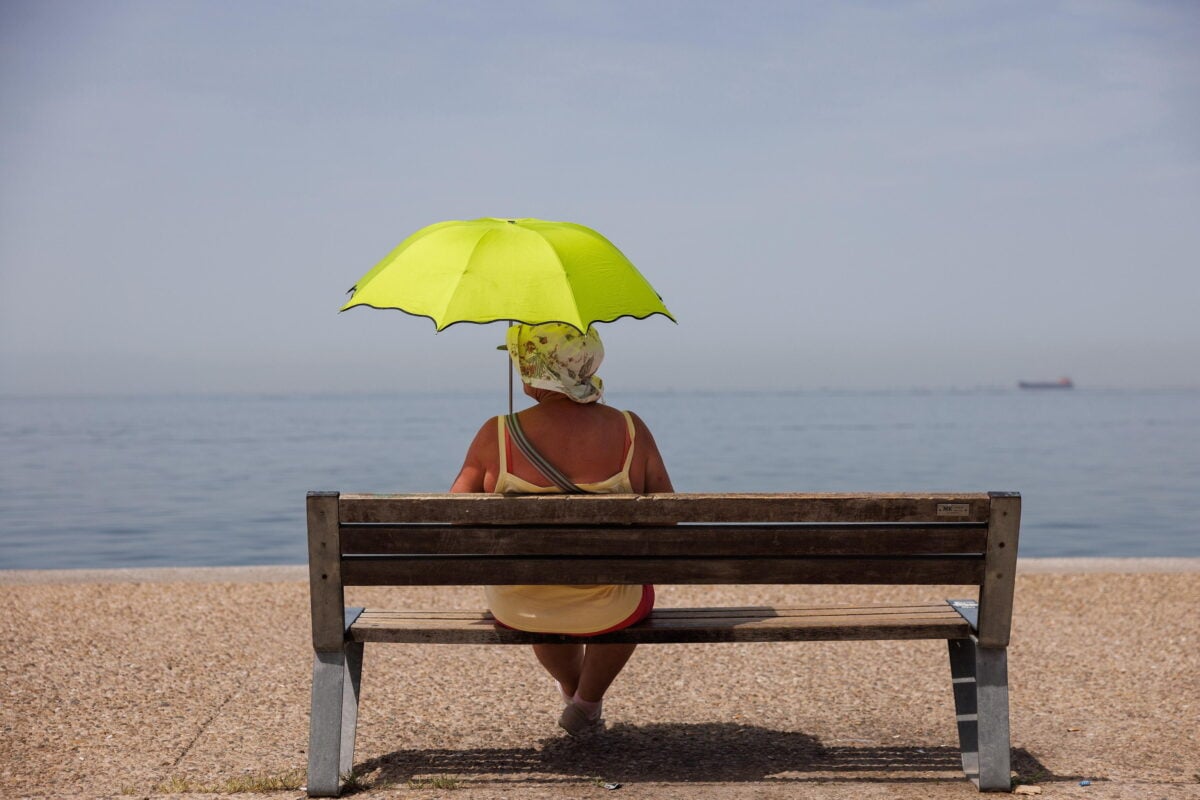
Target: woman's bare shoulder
x=653, y=472
x=640, y=425
x=480, y=461
x=486, y=435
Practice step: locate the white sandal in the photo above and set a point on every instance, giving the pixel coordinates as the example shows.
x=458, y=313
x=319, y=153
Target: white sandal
x=576, y=722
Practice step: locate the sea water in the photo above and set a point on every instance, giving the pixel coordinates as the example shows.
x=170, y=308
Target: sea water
x=98, y=482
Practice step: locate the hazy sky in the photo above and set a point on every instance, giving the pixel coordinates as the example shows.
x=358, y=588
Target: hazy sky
x=888, y=194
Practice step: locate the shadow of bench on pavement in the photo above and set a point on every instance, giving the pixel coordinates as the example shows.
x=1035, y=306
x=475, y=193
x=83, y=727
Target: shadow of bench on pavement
x=681, y=753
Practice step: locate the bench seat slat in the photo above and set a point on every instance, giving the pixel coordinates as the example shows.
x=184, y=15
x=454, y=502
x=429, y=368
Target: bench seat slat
x=755, y=624
x=696, y=540
x=468, y=570
x=383, y=614
x=665, y=509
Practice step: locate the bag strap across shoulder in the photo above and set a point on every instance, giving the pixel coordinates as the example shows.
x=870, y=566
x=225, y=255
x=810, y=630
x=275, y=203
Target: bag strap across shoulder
x=539, y=462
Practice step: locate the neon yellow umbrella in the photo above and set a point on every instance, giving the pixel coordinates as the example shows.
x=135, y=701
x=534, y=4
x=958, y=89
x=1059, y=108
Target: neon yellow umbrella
x=522, y=270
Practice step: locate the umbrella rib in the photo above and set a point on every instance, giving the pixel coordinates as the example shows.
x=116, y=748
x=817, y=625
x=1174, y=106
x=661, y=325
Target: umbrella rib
x=466, y=267
x=575, y=300
x=563, y=270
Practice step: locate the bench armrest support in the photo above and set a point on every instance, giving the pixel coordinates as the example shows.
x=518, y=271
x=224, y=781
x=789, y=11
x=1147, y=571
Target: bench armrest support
x=325, y=573
x=1000, y=566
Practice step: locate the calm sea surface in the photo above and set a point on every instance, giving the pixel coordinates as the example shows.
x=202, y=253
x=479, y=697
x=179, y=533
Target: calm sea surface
x=179, y=481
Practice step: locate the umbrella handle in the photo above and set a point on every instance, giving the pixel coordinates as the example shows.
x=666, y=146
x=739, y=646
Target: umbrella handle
x=511, y=368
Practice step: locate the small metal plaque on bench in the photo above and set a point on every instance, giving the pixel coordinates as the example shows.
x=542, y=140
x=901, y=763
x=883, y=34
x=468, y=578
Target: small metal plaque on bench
x=954, y=509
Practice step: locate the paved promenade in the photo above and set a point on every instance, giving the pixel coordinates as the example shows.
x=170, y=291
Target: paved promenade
x=194, y=684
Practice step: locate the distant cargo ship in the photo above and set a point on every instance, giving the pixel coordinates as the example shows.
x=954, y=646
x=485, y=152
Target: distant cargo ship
x=1061, y=383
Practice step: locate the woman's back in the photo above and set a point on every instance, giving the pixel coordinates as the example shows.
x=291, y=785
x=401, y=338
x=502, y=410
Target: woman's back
x=590, y=444
x=585, y=453
x=586, y=443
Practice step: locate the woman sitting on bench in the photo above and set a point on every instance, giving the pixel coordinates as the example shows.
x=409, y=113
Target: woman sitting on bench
x=575, y=445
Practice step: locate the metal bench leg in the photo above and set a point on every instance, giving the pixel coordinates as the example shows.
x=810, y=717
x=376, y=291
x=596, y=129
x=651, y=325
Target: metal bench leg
x=980, y=679
x=962, y=676
x=350, y=692
x=991, y=682
x=325, y=747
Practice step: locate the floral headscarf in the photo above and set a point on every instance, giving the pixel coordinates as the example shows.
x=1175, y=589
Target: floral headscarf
x=557, y=357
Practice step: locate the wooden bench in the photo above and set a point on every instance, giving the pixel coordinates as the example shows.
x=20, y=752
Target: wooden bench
x=475, y=539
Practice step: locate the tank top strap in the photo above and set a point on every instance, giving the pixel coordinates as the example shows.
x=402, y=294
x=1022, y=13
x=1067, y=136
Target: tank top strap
x=630, y=431
x=502, y=438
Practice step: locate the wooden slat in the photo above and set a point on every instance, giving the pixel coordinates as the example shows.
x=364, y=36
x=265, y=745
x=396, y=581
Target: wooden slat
x=399, y=615
x=940, y=611
x=693, y=540
x=665, y=509
x=468, y=570
x=691, y=611
x=686, y=625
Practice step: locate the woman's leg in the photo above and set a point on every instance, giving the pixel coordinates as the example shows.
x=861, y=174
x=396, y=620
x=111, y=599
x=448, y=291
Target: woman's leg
x=564, y=662
x=584, y=673
x=601, y=665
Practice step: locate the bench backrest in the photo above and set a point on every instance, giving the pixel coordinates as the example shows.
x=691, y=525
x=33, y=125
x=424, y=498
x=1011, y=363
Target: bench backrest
x=477, y=539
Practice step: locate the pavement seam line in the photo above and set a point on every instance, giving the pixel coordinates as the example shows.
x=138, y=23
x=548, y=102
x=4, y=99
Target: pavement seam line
x=203, y=728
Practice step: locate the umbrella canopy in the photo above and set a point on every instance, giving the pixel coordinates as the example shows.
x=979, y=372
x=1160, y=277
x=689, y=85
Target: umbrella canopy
x=523, y=270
